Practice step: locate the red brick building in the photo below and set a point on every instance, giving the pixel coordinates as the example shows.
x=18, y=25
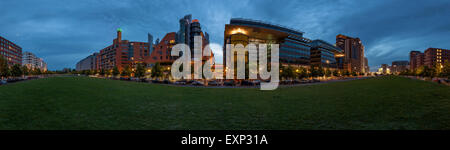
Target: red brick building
x=436, y=56
x=122, y=53
x=161, y=51
x=10, y=51
x=430, y=58
x=415, y=60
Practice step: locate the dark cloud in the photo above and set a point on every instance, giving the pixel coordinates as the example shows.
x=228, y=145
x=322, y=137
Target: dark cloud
x=65, y=31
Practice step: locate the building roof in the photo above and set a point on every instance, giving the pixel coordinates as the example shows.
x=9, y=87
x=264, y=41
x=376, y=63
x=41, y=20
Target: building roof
x=323, y=43
x=257, y=23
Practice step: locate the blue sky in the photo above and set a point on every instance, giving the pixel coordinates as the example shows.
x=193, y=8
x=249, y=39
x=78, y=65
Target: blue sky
x=65, y=31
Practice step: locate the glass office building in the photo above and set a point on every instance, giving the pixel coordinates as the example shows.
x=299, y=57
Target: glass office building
x=294, y=48
x=325, y=54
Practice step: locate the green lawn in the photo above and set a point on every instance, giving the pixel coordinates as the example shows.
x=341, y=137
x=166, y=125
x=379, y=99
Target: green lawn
x=88, y=103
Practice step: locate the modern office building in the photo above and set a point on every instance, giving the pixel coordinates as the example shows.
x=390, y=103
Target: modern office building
x=10, y=51
x=189, y=29
x=294, y=48
x=431, y=57
x=88, y=63
x=150, y=44
x=33, y=62
x=324, y=54
x=399, y=66
x=123, y=53
x=353, y=53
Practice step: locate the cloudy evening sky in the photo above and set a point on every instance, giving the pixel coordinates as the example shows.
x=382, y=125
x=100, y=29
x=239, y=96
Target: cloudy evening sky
x=65, y=31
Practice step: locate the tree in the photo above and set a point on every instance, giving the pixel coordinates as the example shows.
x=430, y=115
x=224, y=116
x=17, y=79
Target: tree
x=437, y=70
x=346, y=73
x=4, y=68
x=108, y=72
x=336, y=73
x=94, y=72
x=25, y=70
x=321, y=71
x=126, y=71
x=282, y=72
x=115, y=71
x=37, y=71
x=102, y=72
x=303, y=73
x=446, y=70
x=87, y=72
x=16, y=70
x=313, y=71
x=289, y=72
x=328, y=73
x=140, y=71
x=157, y=70
x=426, y=72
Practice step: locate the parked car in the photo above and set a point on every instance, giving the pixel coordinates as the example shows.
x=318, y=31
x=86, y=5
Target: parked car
x=189, y=81
x=12, y=80
x=125, y=79
x=246, y=83
x=287, y=82
x=3, y=82
x=256, y=82
x=303, y=81
x=213, y=83
x=167, y=81
x=250, y=82
x=181, y=82
x=157, y=81
x=229, y=83
x=197, y=83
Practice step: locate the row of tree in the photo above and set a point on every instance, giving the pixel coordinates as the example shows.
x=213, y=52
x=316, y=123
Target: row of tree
x=425, y=71
x=138, y=72
x=158, y=70
x=290, y=72
x=17, y=70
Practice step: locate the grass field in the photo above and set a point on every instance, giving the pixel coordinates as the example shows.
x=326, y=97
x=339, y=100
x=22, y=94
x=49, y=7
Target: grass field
x=88, y=103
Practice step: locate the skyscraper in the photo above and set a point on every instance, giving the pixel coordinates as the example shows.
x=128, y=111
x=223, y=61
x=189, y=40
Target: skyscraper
x=150, y=45
x=185, y=30
x=353, y=53
x=189, y=29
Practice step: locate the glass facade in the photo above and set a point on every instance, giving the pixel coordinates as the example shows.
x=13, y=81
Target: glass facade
x=323, y=54
x=294, y=49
